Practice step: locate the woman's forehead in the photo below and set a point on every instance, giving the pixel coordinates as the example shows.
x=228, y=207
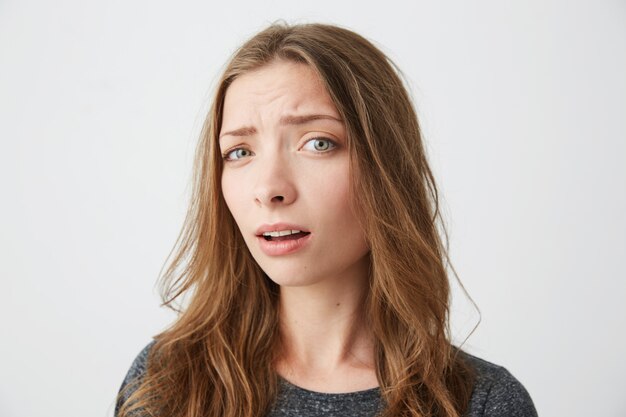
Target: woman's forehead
x=274, y=91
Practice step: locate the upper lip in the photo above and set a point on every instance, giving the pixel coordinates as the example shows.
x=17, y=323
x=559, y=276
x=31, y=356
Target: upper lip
x=279, y=226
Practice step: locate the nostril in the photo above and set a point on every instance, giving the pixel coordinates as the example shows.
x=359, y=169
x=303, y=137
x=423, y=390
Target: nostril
x=279, y=198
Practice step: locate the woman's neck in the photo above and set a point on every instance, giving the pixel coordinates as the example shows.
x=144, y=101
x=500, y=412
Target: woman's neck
x=326, y=345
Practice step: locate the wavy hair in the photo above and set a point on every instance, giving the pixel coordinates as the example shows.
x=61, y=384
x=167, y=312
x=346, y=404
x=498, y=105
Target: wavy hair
x=217, y=358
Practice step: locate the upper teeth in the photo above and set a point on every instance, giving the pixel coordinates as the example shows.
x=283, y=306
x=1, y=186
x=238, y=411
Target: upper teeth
x=281, y=233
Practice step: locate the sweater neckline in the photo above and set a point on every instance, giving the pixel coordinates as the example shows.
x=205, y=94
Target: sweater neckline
x=362, y=394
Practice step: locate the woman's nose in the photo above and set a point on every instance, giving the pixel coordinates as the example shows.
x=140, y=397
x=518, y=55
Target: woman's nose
x=274, y=183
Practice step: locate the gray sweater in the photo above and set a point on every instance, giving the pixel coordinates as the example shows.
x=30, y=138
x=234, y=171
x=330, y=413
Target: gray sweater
x=496, y=394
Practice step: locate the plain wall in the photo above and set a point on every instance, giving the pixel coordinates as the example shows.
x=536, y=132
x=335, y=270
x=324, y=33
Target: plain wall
x=523, y=107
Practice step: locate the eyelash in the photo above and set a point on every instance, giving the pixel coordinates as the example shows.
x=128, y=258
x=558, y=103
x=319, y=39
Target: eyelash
x=332, y=143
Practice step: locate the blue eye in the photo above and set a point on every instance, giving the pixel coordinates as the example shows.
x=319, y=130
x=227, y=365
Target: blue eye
x=321, y=144
x=238, y=153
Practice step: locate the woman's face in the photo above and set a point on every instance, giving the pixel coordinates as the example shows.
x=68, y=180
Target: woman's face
x=286, y=168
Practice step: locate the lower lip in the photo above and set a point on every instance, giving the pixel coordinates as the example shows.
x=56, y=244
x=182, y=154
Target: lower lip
x=283, y=247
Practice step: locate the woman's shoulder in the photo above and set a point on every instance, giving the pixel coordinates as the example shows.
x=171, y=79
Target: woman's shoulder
x=138, y=367
x=497, y=392
x=134, y=376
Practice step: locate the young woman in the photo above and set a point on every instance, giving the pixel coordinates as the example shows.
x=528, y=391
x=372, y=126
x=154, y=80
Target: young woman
x=311, y=259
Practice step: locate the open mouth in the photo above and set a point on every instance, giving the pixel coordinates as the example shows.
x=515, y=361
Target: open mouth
x=291, y=236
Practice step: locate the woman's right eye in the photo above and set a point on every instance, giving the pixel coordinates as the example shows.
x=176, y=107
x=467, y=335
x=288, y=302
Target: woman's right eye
x=235, y=154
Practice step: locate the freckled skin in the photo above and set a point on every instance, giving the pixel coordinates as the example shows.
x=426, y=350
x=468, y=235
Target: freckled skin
x=282, y=177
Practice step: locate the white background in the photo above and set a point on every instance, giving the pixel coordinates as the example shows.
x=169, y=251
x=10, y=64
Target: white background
x=523, y=106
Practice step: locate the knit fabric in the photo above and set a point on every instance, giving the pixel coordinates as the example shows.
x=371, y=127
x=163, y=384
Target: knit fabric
x=496, y=394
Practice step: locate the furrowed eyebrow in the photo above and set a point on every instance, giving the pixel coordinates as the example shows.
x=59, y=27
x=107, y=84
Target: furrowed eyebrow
x=285, y=120
x=299, y=120
x=244, y=131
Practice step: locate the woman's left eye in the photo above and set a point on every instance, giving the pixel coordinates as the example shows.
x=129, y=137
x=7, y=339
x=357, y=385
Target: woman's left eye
x=320, y=145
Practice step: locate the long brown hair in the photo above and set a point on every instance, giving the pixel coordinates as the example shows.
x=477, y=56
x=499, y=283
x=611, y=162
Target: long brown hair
x=217, y=358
